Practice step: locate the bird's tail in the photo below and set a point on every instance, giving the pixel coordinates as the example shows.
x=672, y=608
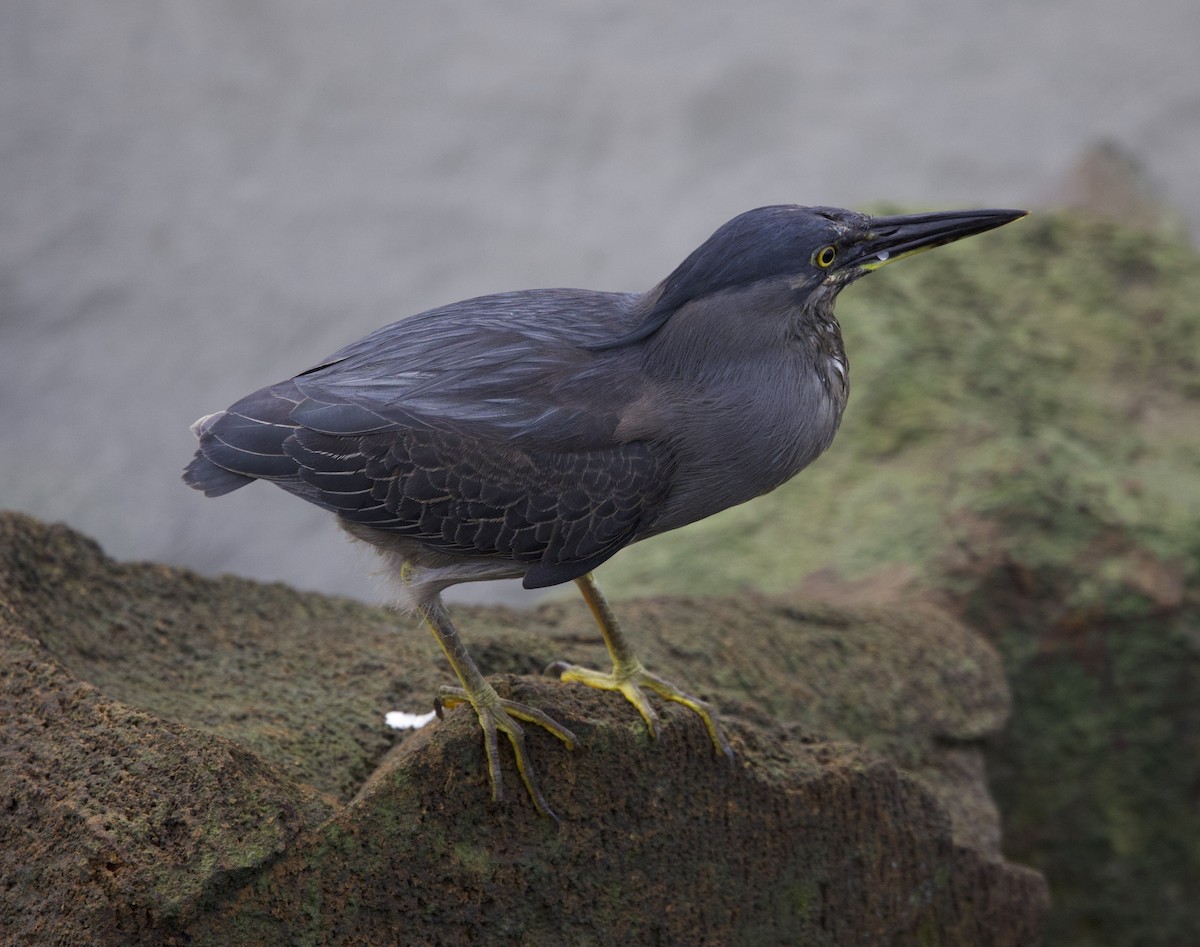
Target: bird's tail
x=202, y=473
x=246, y=442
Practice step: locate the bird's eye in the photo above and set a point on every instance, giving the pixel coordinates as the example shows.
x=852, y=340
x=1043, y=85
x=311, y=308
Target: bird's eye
x=824, y=257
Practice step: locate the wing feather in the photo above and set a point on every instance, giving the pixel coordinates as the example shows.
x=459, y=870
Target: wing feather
x=511, y=366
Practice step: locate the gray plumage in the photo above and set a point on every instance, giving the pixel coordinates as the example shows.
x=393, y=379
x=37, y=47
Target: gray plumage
x=538, y=431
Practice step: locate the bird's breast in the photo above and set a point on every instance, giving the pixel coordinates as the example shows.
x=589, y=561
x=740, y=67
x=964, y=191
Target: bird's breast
x=748, y=433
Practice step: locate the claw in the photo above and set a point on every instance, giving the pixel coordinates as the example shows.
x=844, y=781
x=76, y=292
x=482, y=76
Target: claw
x=633, y=683
x=499, y=714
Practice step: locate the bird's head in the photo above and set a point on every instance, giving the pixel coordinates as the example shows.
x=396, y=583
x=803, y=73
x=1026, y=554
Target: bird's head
x=807, y=248
x=814, y=245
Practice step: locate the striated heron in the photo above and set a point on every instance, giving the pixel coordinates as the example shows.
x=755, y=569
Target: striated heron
x=534, y=434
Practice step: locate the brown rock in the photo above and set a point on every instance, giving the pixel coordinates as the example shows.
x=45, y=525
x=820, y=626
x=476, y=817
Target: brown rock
x=199, y=761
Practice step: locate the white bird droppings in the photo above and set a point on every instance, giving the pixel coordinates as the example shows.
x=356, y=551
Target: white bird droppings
x=399, y=720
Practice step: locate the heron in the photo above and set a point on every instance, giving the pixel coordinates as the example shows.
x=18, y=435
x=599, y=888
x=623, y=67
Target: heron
x=533, y=435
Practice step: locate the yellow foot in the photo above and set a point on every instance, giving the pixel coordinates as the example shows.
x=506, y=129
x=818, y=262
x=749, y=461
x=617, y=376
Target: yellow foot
x=631, y=682
x=495, y=714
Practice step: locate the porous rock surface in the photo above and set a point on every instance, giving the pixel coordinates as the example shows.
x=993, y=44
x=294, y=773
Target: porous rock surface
x=186, y=760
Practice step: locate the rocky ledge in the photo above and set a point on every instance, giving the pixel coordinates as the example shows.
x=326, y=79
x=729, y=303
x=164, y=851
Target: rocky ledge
x=196, y=761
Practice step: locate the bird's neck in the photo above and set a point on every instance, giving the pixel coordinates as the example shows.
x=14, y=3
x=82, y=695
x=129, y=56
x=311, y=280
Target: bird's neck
x=815, y=334
x=766, y=384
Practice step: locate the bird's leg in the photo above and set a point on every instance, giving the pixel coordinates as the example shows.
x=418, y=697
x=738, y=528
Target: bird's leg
x=494, y=712
x=628, y=675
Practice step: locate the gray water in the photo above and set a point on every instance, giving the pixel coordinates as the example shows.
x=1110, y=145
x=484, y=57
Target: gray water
x=201, y=197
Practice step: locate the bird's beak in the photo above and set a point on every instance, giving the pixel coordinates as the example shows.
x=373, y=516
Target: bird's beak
x=894, y=238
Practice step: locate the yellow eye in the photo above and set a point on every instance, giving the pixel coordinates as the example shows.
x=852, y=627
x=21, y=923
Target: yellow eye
x=824, y=257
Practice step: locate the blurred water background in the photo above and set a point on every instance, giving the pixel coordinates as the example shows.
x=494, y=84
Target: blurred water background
x=200, y=198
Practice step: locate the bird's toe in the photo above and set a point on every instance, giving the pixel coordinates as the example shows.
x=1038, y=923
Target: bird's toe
x=501, y=716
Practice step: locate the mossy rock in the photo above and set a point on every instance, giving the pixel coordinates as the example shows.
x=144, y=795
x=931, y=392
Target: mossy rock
x=202, y=761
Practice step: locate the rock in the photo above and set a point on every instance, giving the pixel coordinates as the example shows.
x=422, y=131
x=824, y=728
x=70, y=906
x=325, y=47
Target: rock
x=1097, y=772
x=204, y=761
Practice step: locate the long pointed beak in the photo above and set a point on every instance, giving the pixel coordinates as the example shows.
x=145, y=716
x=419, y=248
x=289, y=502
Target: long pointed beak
x=894, y=238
